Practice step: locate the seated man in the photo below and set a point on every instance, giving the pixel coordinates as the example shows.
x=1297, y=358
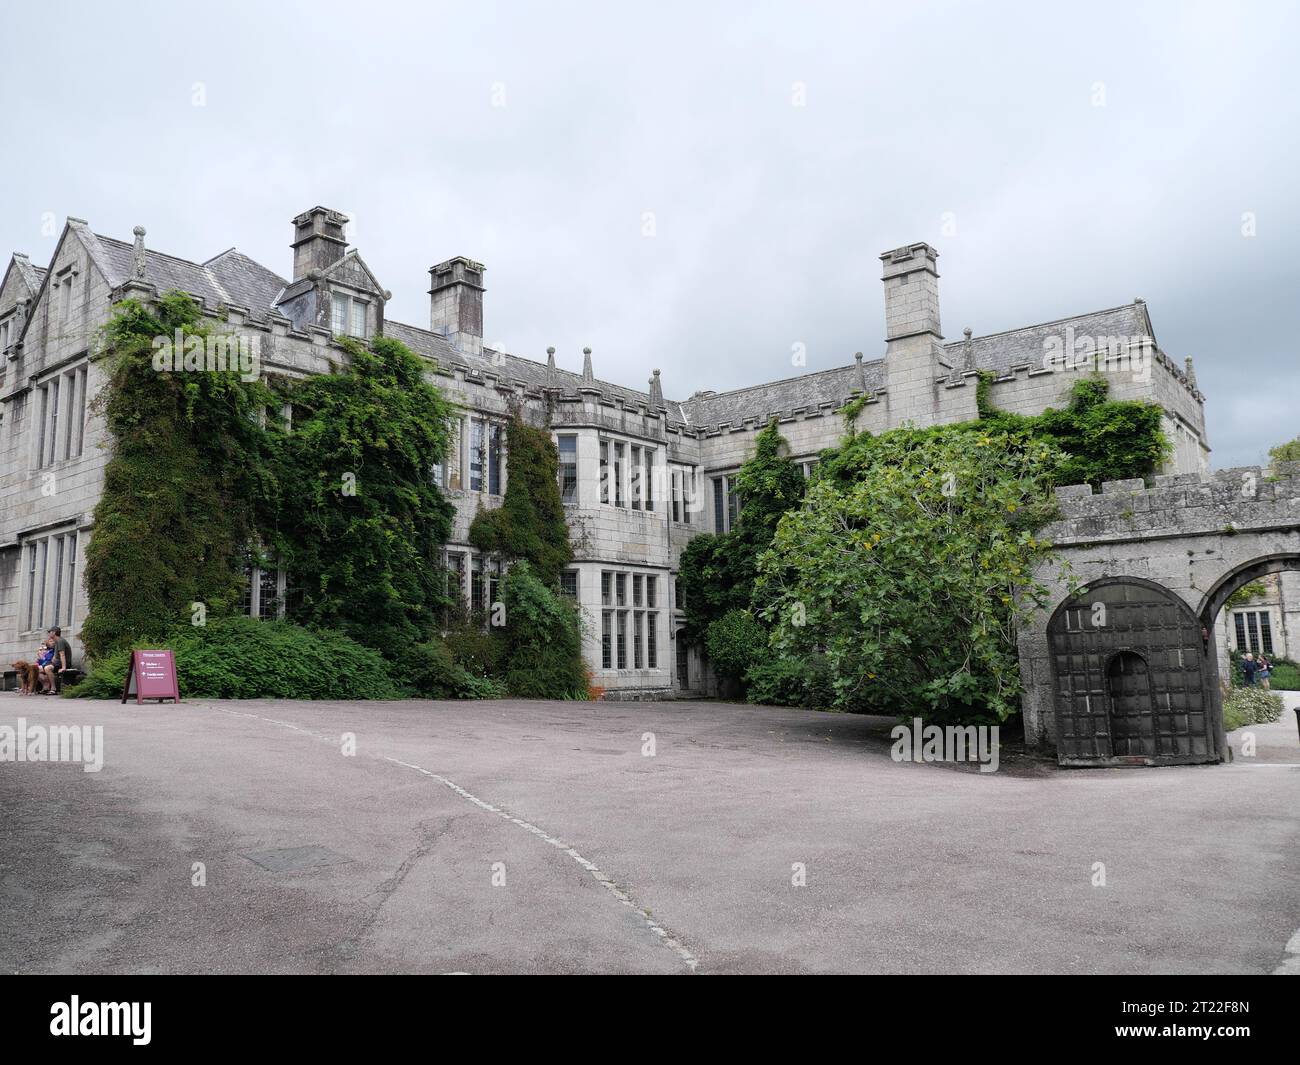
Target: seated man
x=62, y=652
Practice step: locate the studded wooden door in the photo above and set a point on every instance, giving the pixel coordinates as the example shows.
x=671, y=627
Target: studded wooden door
x=1131, y=680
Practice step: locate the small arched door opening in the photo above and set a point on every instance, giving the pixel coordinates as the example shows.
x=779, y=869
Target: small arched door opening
x=1132, y=713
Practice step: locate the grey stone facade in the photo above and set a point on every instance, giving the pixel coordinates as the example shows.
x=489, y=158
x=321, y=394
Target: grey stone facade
x=650, y=472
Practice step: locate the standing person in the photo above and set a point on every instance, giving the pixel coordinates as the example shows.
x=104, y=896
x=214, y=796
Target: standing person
x=1264, y=670
x=1248, y=667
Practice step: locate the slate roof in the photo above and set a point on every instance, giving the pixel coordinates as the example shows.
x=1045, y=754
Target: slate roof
x=758, y=401
x=234, y=278
x=1001, y=352
x=506, y=366
x=231, y=277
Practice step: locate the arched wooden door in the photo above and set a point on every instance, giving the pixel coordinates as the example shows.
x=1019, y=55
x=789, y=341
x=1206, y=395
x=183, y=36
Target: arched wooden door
x=1131, y=676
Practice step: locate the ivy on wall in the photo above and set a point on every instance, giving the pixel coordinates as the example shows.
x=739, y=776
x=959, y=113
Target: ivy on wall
x=188, y=482
x=362, y=524
x=202, y=471
x=530, y=523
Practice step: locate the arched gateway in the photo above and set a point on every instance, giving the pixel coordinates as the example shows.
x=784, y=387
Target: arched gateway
x=1123, y=669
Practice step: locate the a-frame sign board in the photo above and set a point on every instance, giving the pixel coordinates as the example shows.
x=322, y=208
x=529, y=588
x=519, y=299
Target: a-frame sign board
x=151, y=675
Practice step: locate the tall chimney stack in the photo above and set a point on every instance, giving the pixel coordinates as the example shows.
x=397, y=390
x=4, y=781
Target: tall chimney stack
x=456, y=303
x=318, y=240
x=913, y=337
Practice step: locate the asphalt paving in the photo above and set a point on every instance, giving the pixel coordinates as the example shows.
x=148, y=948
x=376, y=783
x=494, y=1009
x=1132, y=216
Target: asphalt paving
x=673, y=837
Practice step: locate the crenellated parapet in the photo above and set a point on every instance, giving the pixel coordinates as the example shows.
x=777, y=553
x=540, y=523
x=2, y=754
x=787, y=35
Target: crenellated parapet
x=1246, y=498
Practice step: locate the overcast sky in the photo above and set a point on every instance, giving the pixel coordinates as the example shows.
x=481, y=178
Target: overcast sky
x=1060, y=161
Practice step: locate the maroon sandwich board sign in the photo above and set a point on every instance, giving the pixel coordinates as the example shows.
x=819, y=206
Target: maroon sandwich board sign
x=151, y=675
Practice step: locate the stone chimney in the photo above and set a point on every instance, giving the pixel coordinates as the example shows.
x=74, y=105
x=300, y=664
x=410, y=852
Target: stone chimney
x=318, y=240
x=913, y=337
x=911, y=292
x=456, y=303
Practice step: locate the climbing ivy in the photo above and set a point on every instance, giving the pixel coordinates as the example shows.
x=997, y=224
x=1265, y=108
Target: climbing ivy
x=362, y=524
x=188, y=481
x=203, y=476
x=530, y=523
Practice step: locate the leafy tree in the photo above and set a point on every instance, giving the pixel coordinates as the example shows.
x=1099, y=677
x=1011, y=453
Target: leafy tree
x=363, y=531
x=912, y=575
x=530, y=523
x=186, y=484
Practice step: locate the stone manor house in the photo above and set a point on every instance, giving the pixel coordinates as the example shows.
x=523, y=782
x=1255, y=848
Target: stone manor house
x=641, y=474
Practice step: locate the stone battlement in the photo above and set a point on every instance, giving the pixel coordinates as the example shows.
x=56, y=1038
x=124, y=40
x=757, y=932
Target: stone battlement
x=1226, y=501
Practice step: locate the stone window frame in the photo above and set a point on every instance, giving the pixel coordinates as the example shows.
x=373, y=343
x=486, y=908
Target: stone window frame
x=47, y=580
x=631, y=613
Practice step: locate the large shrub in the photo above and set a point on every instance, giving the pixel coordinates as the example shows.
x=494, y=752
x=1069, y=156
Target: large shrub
x=431, y=671
x=543, y=639
x=242, y=658
x=787, y=681
x=734, y=642
x=913, y=574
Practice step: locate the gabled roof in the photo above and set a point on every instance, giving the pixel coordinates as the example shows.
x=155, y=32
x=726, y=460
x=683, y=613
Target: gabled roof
x=32, y=276
x=231, y=277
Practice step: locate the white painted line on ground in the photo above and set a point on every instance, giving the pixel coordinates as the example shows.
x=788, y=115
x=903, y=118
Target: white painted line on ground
x=675, y=945
x=1291, y=963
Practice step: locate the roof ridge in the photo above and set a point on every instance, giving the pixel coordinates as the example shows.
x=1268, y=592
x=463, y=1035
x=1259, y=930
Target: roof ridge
x=777, y=381
x=1040, y=325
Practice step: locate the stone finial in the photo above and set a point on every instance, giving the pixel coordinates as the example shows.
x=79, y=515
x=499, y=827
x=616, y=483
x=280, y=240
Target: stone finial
x=1191, y=373
x=550, y=367
x=968, y=350
x=138, y=255
x=859, y=375
x=588, y=378
x=656, y=392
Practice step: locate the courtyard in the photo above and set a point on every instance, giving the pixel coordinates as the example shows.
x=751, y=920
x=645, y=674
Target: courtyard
x=673, y=837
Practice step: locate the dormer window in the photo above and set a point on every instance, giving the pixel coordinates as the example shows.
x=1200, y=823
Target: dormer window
x=347, y=316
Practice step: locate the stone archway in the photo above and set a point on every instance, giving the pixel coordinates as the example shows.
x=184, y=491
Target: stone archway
x=1130, y=678
x=1180, y=548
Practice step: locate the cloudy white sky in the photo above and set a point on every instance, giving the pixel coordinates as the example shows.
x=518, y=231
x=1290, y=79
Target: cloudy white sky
x=1060, y=160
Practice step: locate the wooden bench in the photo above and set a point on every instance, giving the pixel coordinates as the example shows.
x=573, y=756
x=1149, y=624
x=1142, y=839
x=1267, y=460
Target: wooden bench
x=70, y=676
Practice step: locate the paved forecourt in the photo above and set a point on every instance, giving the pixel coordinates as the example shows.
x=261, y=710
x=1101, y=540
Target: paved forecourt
x=546, y=837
